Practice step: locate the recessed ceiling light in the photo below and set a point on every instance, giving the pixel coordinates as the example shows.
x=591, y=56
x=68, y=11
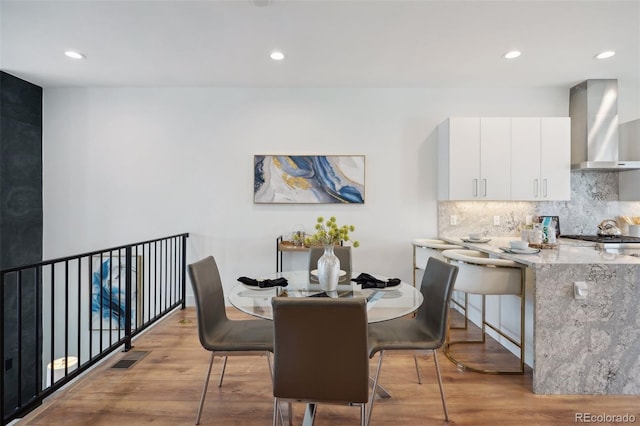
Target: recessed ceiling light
x=74, y=55
x=512, y=54
x=277, y=55
x=606, y=54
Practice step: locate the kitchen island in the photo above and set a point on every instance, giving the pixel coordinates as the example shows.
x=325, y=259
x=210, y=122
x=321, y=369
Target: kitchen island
x=589, y=346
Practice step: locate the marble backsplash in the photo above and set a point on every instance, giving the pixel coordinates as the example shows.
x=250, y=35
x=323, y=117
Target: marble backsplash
x=594, y=197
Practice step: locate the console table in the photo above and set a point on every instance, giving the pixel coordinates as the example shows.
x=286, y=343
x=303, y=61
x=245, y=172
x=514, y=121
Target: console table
x=286, y=246
x=283, y=246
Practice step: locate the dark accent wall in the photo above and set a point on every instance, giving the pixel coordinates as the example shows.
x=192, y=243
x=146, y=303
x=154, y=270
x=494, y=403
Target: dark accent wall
x=20, y=230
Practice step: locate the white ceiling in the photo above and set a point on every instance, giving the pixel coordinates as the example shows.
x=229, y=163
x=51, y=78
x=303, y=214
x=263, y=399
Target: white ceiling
x=348, y=43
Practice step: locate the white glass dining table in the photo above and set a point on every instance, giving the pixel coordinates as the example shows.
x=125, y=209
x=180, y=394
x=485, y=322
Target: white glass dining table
x=382, y=303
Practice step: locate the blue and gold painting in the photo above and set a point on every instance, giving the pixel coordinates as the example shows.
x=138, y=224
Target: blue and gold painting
x=307, y=179
x=108, y=292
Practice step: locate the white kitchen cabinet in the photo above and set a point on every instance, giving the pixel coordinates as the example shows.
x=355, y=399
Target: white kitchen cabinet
x=474, y=155
x=555, y=164
x=540, y=160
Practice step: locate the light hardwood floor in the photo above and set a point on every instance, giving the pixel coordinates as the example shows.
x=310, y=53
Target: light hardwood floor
x=163, y=388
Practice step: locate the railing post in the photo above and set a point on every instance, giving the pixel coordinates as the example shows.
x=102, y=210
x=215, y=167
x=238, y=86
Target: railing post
x=128, y=299
x=184, y=270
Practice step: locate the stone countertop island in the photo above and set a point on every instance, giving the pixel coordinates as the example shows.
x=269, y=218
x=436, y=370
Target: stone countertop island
x=589, y=346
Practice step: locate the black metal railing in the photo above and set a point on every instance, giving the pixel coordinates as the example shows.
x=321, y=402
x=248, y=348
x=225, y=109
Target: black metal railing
x=60, y=317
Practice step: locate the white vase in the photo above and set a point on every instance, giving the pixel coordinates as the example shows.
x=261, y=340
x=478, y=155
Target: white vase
x=328, y=269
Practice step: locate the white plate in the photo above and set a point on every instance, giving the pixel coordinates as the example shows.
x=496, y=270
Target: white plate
x=482, y=240
x=256, y=288
x=255, y=294
x=520, y=251
x=342, y=273
x=395, y=287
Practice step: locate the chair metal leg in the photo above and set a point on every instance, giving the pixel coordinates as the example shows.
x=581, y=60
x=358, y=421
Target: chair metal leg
x=204, y=389
x=415, y=359
x=375, y=385
x=224, y=365
x=309, y=414
x=276, y=411
x=444, y=401
x=363, y=414
x=270, y=366
x=380, y=391
x=289, y=404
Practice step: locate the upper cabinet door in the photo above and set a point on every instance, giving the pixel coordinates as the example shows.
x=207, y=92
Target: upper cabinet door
x=526, y=183
x=555, y=162
x=495, y=158
x=459, y=159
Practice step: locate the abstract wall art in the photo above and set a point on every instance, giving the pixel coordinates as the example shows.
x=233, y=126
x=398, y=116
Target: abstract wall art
x=308, y=179
x=108, y=291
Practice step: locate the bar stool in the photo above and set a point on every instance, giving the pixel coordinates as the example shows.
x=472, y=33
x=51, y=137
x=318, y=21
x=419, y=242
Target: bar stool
x=433, y=248
x=480, y=274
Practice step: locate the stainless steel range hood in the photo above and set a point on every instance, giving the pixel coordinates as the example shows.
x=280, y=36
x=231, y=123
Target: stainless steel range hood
x=593, y=108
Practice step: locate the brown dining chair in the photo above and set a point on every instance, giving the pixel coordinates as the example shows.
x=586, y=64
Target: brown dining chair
x=426, y=331
x=219, y=334
x=320, y=353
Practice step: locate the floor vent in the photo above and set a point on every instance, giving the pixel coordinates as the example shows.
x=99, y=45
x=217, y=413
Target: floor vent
x=129, y=359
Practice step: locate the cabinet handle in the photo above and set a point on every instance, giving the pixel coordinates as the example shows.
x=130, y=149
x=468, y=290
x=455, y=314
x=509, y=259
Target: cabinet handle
x=484, y=187
x=475, y=187
x=544, y=188
x=535, y=187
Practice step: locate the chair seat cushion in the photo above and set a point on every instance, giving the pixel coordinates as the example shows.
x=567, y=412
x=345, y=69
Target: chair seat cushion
x=240, y=335
x=400, y=334
x=481, y=274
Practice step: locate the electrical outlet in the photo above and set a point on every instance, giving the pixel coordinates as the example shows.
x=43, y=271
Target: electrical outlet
x=580, y=290
x=528, y=219
x=496, y=220
x=453, y=220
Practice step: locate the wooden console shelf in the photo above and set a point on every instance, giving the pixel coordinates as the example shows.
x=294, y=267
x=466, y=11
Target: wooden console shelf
x=283, y=246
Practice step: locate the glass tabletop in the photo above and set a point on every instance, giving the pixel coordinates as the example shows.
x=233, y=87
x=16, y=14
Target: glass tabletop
x=383, y=304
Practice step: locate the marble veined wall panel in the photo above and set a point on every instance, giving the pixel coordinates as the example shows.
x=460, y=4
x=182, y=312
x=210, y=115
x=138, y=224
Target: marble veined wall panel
x=587, y=346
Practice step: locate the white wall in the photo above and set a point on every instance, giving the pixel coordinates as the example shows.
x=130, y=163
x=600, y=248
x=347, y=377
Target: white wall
x=124, y=165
